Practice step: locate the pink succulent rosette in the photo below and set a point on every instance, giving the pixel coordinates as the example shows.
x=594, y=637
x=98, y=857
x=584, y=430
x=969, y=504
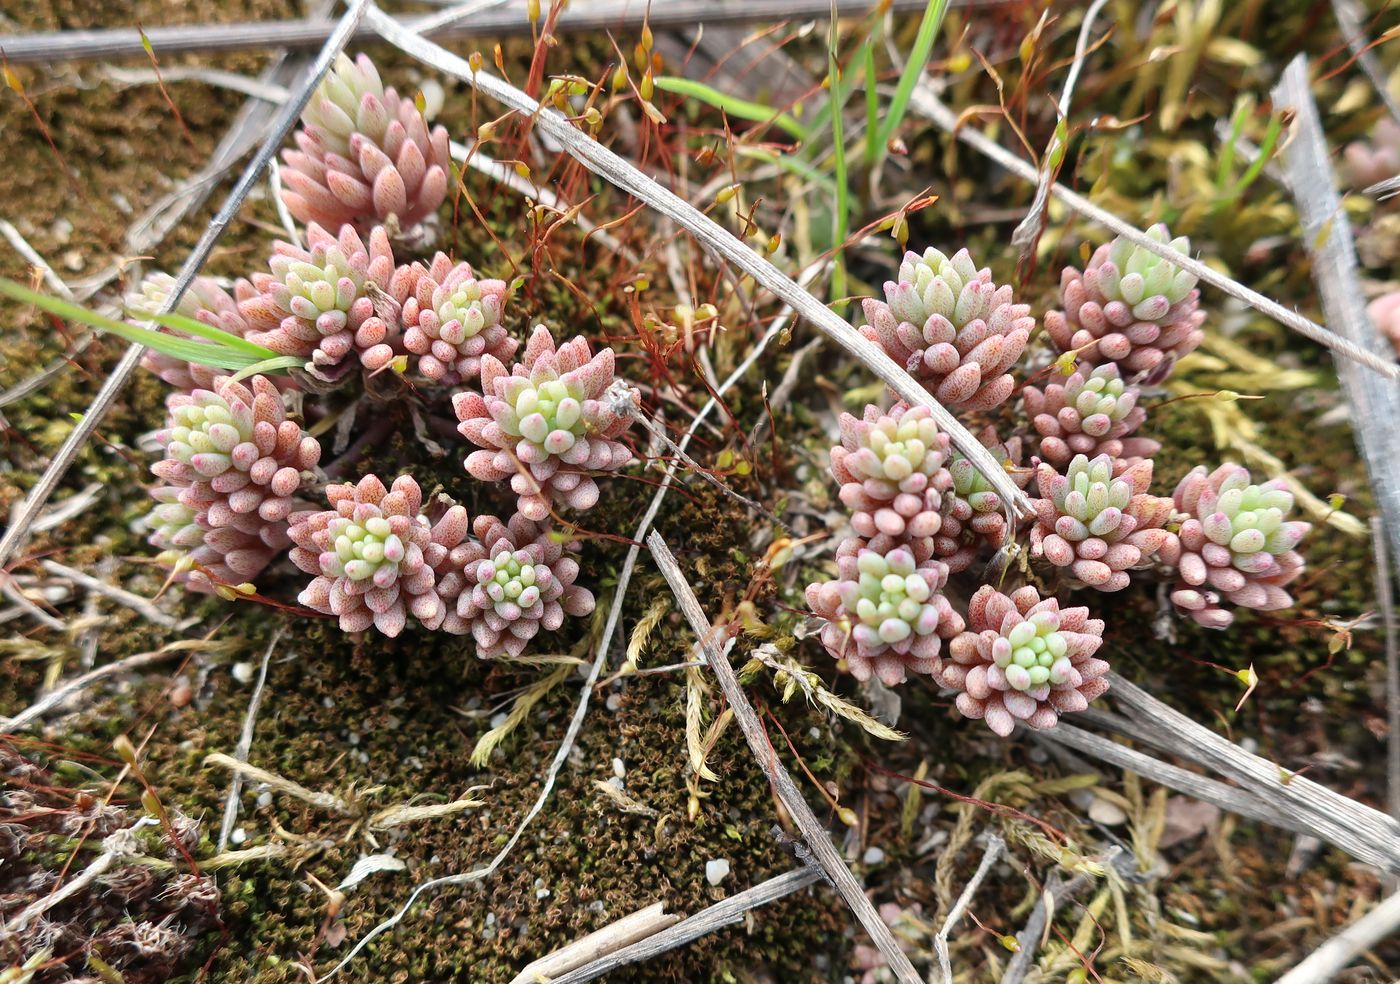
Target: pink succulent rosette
x=545, y=425
x=205, y=556
x=365, y=154
x=523, y=583
x=1236, y=544
x=885, y=613
x=235, y=451
x=1096, y=526
x=890, y=467
x=451, y=319
x=1024, y=659
x=369, y=555
x=328, y=302
x=952, y=328
x=1130, y=307
x=1091, y=414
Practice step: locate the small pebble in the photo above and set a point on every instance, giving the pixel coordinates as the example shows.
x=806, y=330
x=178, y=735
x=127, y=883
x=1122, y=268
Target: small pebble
x=62, y=231
x=716, y=871
x=264, y=799
x=242, y=672
x=614, y=702
x=73, y=260
x=238, y=836
x=619, y=769
x=181, y=694
x=1106, y=813
x=873, y=855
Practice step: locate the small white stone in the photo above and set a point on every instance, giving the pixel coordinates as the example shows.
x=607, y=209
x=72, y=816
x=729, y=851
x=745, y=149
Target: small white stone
x=238, y=836
x=1106, y=813
x=499, y=719
x=873, y=855
x=716, y=871
x=264, y=799
x=242, y=672
x=619, y=769
x=614, y=702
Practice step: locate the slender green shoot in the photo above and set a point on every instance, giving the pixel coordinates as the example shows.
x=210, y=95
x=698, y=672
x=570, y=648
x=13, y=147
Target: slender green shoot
x=841, y=217
x=223, y=351
x=913, y=69
x=1227, y=152
x=872, y=103
x=732, y=105
x=790, y=163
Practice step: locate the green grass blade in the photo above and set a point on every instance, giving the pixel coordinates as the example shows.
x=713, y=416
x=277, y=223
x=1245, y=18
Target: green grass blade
x=872, y=103
x=841, y=218
x=199, y=329
x=208, y=354
x=913, y=68
x=734, y=106
x=791, y=164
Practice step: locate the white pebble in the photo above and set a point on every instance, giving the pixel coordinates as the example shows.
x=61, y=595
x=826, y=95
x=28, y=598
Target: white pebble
x=239, y=835
x=619, y=769
x=242, y=672
x=716, y=871
x=873, y=855
x=264, y=799
x=614, y=702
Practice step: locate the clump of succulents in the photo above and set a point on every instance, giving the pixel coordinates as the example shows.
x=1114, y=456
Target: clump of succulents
x=545, y=425
x=1235, y=545
x=368, y=553
x=451, y=319
x=952, y=328
x=522, y=583
x=205, y=301
x=1130, y=307
x=1024, y=659
x=974, y=516
x=1089, y=414
x=890, y=466
x=1096, y=526
x=885, y=613
x=328, y=302
x=366, y=156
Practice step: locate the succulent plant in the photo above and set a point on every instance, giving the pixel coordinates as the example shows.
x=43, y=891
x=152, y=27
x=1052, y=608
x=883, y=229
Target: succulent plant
x=974, y=517
x=451, y=319
x=885, y=613
x=1235, y=545
x=1091, y=415
x=521, y=583
x=235, y=450
x=204, y=300
x=1096, y=526
x=890, y=466
x=1367, y=162
x=1385, y=315
x=203, y=556
x=951, y=327
x=1130, y=307
x=1024, y=659
x=325, y=302
x=365, y=154
x=369, y=554
x=545, y=424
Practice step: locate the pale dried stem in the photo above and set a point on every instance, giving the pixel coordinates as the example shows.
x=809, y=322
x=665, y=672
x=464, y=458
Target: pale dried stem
x=245, y=742
x=813, y=833
x=995, y=845
x=615, y=936
x=324, y=801
x=138, y=604
x=1375, y=404
x=725, y=913
x=1330, y=959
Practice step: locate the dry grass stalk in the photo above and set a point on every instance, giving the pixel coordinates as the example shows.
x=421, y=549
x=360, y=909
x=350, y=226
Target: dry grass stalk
x=815, y=835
